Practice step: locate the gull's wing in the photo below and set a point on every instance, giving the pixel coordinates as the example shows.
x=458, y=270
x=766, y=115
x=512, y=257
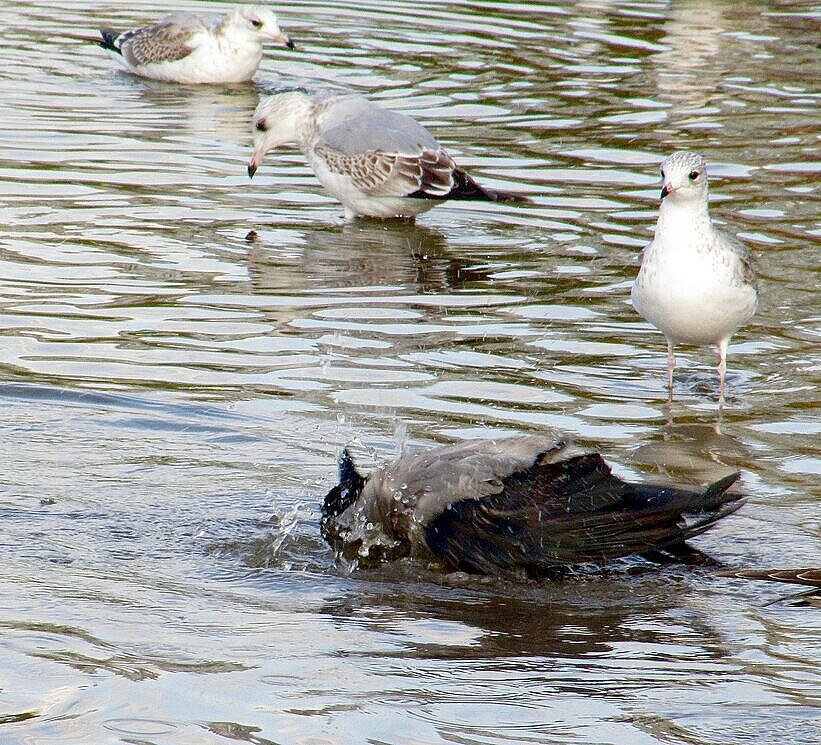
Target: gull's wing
x=171, y=39
x=746, y=265
x=404, y=497
x=378, y=173
x=384, y=153
x=384, y=516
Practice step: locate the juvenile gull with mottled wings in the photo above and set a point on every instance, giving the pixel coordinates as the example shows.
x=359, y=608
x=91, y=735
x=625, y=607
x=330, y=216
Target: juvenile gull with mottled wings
x=377, y=162
x=197, y=47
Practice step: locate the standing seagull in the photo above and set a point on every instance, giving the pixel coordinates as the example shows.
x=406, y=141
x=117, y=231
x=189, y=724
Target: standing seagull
x=525, y=503
x=696, y=284
x=197, y=47
x=378, y=163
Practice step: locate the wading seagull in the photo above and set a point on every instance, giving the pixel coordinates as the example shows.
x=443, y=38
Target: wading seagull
x=197, y=47
x=696, y=284
x=378, y=163
x=527, y=503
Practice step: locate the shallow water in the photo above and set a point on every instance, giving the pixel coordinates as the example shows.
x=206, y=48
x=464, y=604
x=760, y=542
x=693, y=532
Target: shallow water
x=175, y=395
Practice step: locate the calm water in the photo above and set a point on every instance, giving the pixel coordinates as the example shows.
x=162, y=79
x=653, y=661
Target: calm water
x=174, y=395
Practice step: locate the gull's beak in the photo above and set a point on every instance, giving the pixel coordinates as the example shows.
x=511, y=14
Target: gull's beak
x=283, y=39
x=666, y=189
x=253, y=164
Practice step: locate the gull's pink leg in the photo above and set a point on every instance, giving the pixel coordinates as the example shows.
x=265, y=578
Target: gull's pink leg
x=722, y=368
x=671, y=363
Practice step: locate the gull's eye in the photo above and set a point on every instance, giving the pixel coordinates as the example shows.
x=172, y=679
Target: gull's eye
x=261, y=125
x=256, y=23
x=662, y=173
x=694, y=175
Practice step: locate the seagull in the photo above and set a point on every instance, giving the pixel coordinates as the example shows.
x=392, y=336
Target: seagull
x=696, y=284
x=526, y=503
x=378, y=163
x=197, y=47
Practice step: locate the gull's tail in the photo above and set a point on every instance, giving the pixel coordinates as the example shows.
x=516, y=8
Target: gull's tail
x=466, y=187
x=109, y=40
x=435, y=183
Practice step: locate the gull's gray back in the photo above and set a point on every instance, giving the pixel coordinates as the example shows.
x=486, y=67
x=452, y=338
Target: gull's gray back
x=184, y=20
x=353, y=125
x=167, y=40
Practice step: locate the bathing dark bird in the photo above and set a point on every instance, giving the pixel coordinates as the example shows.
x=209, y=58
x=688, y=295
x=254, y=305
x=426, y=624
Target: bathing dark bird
x=527, y=503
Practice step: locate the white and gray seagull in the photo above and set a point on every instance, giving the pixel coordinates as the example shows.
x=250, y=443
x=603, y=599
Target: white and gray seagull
x=197, y=47
x=696, y=284
x=377, y=162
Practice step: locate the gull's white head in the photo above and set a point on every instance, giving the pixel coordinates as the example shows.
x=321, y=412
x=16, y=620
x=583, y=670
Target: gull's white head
x=259, y=23
x=278, y=120
x=684, y=177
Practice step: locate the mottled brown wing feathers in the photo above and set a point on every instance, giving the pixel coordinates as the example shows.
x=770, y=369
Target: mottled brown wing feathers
x=162, y=42
x=380, y=173
x=437, y=169
x=428, y=174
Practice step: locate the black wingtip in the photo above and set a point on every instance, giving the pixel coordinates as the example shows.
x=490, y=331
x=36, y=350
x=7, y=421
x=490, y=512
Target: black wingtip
x=717, y=498
x=109, y=38
x=466, y=187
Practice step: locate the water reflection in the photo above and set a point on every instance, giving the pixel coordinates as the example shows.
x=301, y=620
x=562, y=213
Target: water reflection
x=368, y=254
x=193, y=114
x=585, y=618
x=175, y=395
x=687, y=70
x=698, y=452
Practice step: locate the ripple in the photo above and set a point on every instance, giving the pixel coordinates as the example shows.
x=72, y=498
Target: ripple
x=134, y=726
x=175, y=395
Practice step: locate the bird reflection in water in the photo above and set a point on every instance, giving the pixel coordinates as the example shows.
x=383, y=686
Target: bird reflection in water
x=362, y=253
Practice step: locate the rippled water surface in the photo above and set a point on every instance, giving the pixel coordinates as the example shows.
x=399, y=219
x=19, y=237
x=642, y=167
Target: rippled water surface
x=174, y=395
